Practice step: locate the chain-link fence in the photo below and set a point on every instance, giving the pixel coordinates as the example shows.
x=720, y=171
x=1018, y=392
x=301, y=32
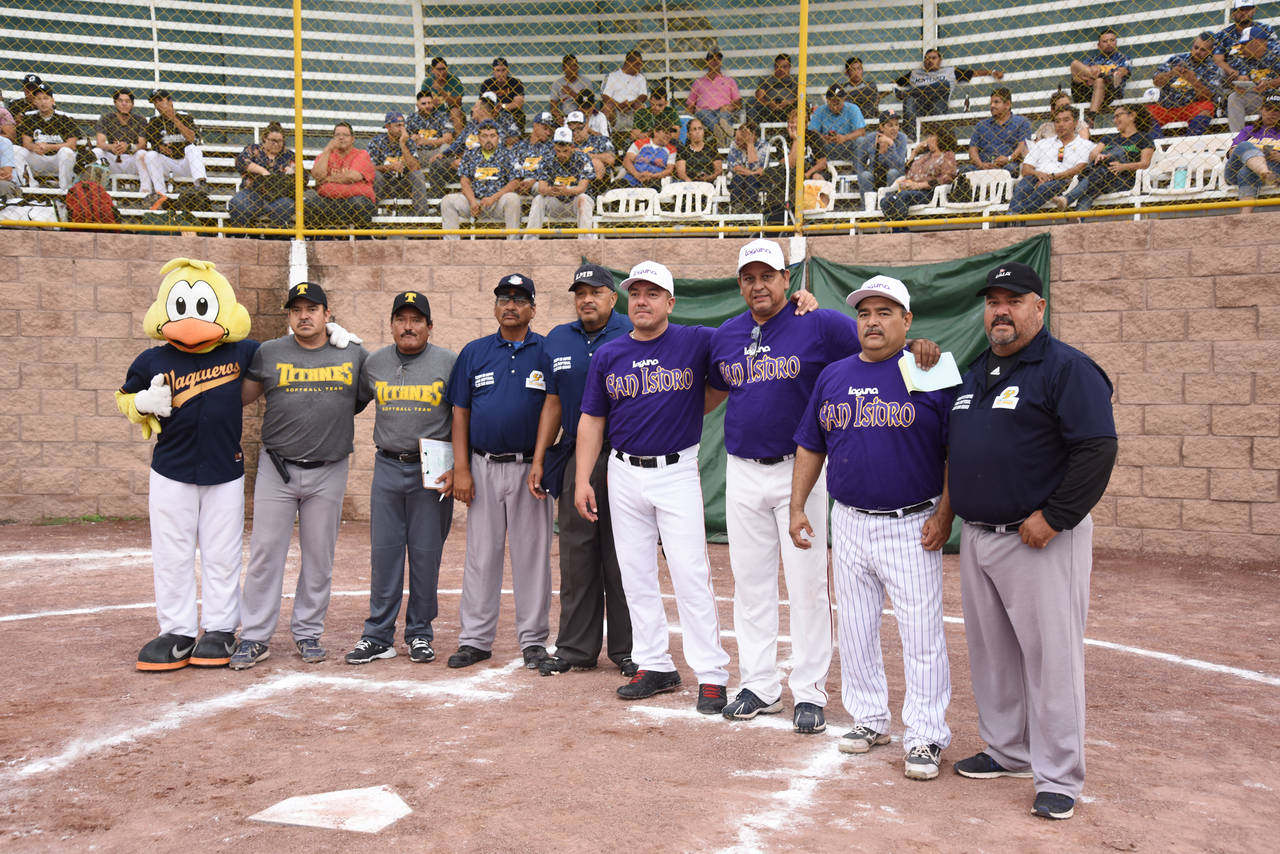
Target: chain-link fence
x=533, y=119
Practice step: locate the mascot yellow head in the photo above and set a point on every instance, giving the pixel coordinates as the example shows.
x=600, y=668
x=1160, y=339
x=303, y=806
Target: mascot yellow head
x=195, y=310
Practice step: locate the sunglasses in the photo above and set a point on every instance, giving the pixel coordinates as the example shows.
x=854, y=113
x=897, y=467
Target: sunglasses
x=504, y=299
x=755, y=341
x=1062, y=152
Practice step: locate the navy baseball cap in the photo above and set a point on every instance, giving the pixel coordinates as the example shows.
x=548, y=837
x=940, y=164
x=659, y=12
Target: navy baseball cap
x=835, y=91
x=392, y=118
x=309, y=291
x=593, y=276
x=43, y=87
x=487, y=124
x=1015, y=277
x=30, y=81
x=499, y=60
x=517, y=281
x=412, y=299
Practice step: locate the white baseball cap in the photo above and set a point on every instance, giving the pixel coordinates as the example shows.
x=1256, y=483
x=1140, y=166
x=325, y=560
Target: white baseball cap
x=562, y=135
x=1244, y=4
x=764, y=251
x=881, y=286
x=575, y=116
x=649, y=271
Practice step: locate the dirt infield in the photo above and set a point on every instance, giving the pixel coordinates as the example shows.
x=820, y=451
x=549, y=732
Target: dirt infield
x=1183, y=670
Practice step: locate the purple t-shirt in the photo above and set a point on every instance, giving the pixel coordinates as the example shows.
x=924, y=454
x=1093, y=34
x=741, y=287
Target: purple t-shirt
x=651, y=391
x=885, y=447
x=768, y=391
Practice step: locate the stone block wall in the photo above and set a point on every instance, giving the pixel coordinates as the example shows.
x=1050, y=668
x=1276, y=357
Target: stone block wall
x=1183, y=314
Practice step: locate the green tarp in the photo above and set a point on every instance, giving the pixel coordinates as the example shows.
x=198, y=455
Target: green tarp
x=944, y=308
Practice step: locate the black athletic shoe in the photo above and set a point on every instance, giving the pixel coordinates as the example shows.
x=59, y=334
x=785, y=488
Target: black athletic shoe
x=711, y=699
x=468, y=655
x=214, y=649
x=1054, y=805
x=980, y=766
x=627, y=667
x=748, y=704
x=646, y=683
x=367, y=650
x=554, y=664
x=248, y=654
x=420, y=651
x=809, y=718
x=167, y=652
x=533, y=656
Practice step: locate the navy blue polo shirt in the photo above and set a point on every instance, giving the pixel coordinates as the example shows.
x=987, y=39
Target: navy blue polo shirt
x=503, y=383
x=569, y=349
x=1009, y=443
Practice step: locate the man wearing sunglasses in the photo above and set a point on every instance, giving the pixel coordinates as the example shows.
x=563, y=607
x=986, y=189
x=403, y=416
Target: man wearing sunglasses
x=1051, y=164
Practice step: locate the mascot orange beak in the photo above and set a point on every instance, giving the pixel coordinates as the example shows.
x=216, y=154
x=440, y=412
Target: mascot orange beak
x=192, y=335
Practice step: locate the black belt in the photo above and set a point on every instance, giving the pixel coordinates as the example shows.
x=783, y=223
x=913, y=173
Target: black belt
x=772, y=461
x=307, y=464
x=1007, y=528
x=517, y=457
x=413, y=457
x=901, y=511
x=647, y=462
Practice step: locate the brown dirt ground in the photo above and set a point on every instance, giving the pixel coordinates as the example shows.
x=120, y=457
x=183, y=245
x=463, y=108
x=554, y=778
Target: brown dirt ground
x=495, y=758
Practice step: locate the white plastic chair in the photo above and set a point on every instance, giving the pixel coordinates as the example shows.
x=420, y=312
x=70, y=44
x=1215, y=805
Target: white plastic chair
x=685, y=200
x=627, y=203
x=991, y=187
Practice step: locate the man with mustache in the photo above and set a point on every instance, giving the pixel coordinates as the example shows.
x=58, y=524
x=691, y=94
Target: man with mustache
x=1033, y=442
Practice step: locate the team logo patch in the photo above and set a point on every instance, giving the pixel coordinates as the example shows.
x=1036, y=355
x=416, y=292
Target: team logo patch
x=562, y=363
x=482, y=380
x=536, y=380
x=1007, y=399
x=964, y=401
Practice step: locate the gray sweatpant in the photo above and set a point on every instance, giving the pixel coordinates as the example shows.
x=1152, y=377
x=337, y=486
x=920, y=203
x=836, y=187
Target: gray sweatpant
x=1024, y=616
x=503, y=508
x=314, y=498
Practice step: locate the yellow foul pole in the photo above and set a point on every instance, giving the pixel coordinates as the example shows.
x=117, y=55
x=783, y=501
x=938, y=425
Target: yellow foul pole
x=299, y=174
x=802, y=115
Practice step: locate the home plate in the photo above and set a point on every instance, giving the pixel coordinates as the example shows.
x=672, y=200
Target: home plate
x=362, y=810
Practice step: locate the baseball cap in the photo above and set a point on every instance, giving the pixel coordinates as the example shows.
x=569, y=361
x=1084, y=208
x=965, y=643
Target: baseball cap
x=1244, y=4
x=490, y=97
x=43, y=87
x=881, y=286
x=31, y=80
x=764, y=251
x=650, y=271
x=1272, y=100
x=717, y=54
x=158, y=93
x=562, y=135
x=835, y=91
x=487, y=124
x=393, y=117
x=575, y=116
x=1015, y=277
x=593, y=276
x=544, y=118
x=517, y=281
x=413, y=299
x=499, y=60
x=890, y=116
x=307, y=290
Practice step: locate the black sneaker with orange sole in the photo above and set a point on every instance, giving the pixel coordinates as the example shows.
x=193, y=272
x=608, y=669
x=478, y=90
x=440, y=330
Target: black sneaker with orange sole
x=167, y=652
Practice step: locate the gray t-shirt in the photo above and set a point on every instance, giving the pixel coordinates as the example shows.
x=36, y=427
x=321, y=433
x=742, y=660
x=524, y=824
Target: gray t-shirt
x=408, y=394
x=312, y=398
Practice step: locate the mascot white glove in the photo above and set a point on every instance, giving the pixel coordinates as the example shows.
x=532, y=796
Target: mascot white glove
x=156, y=400
x=340, y=337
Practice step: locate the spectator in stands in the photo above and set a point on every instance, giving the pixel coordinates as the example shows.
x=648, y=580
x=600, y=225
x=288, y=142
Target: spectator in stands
x=560, y=190
x=8, y=186
x=48, y=140
x=933, y=162
x=510, y=91
x=344, y=174
x=882, y=158
x=1114, y=160
x=839, y=124
x=1099, y=78
x=658, y=111
x=1047, y=129
x=596, y=146
x=715, y=99
x=447, y=89
x=121, y=140
x=926, y=90
x=564, y=92
x=1050, y=165
x=747, y=160
x=432, y=132
x=397, y=169
x=174, y=141
x=528, y=155
x=698, y=160
x=780, y=176
x=8, y=124
x=23, y=104
x=651, y=159
x=860, y=92
x=1254, y=158
x=1258, y=73
x=488, y=184
x=1227, y=42
x=1188, y=84
x=625, y=91
x=776, y=94
x=259, y=193
x=596, y=122
x=485, y=109
x=1000, y=140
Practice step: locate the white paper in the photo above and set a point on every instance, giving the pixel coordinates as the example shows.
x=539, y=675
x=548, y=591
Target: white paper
x=437, y=458
x=945, y=374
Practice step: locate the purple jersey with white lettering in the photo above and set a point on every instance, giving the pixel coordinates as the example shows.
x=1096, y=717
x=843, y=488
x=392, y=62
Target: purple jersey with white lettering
x=769, y=386
x=651, y=391
x=885, y=447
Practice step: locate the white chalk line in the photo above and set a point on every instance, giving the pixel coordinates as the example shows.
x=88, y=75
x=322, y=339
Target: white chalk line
x=78, y=557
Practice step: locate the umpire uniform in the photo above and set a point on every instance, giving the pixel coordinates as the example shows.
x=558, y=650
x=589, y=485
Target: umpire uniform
x=1033, y=443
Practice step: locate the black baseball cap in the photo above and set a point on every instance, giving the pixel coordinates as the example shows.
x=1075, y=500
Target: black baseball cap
x=42, y=87
x=412, y=299
x=517, y=281
x=890, y=116
x=1015, y=277
x=499, y=60
x=158, y=93
x=309, y=291
x=1272, y=100
x=835, y=91
x=31, y=81
x=716, y=53
x=593, y=276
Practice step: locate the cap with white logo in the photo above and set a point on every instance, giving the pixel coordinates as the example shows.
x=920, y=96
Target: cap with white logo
x=881, y=286
x=593, y=276
x=652, y=272
x=764, y=251
x=575, y=116
x=563, y=135
x=1014, y=277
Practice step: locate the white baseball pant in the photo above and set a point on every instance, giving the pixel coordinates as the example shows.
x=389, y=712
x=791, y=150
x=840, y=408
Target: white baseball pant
x=61, y=163
x=873, y=555
x=757, y=512
x=190, y=166
x=127, y=164
x=185, y=516
x=667, y=501
x=454, y=208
